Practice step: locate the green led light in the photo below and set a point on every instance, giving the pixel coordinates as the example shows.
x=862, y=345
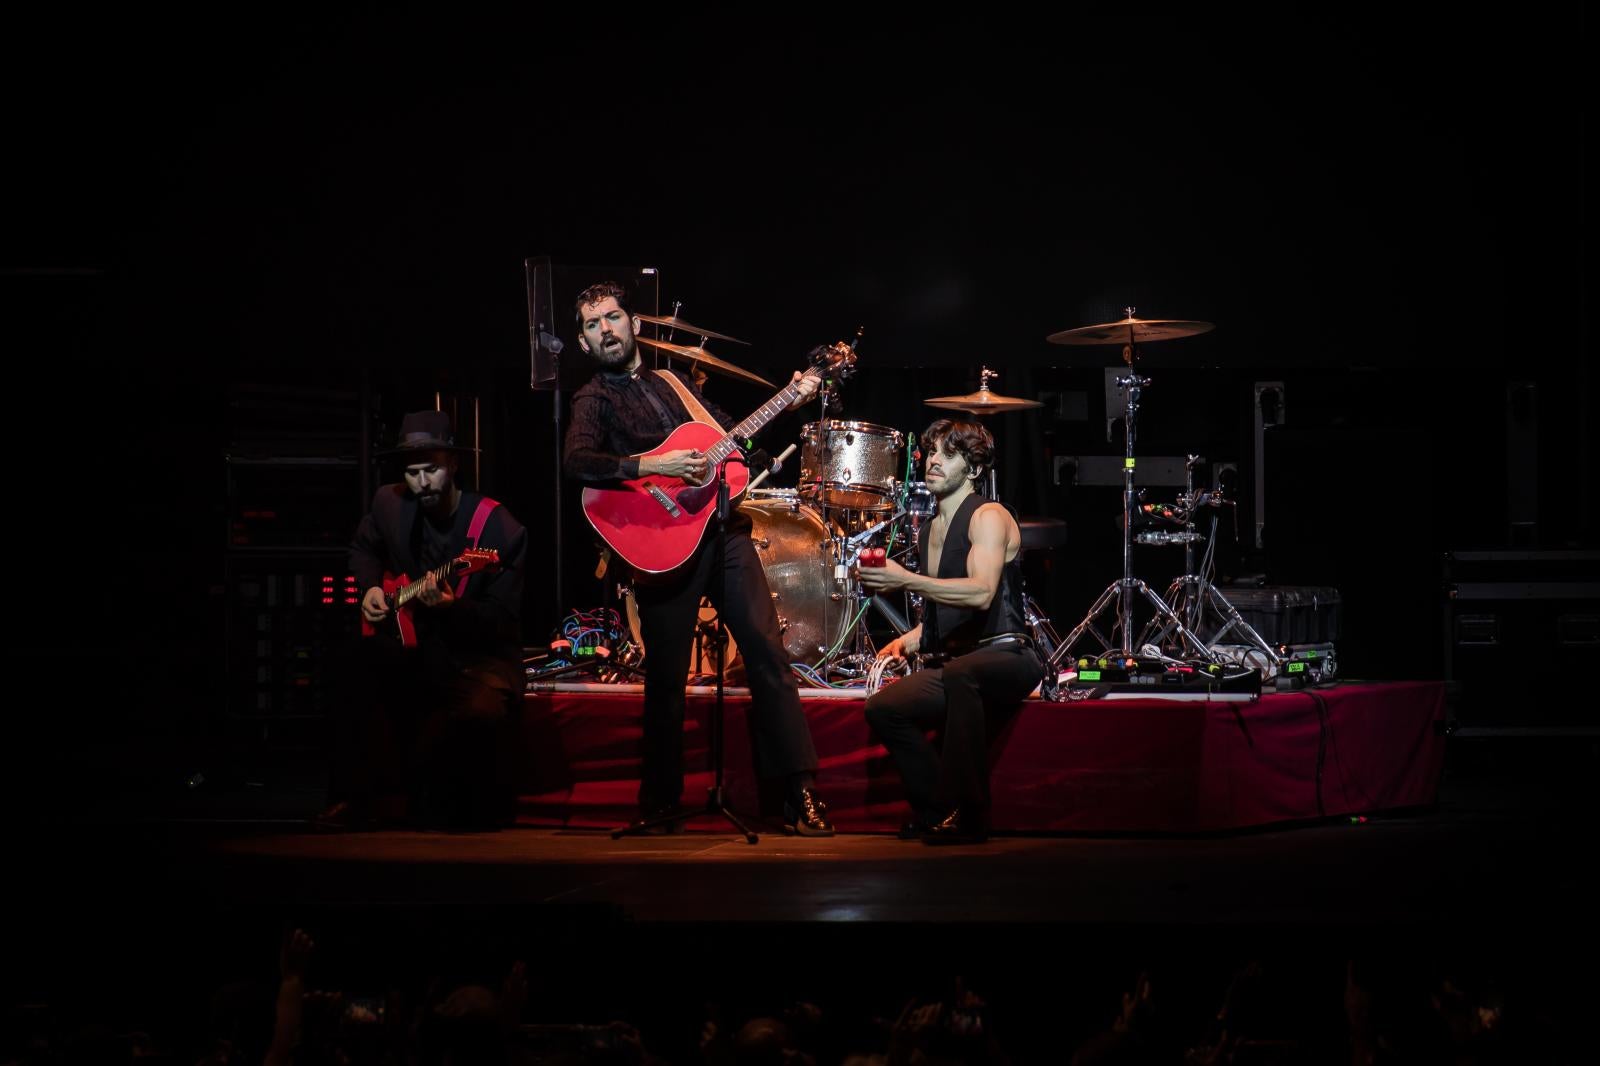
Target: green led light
x=1088, y=675
x=1295, y=668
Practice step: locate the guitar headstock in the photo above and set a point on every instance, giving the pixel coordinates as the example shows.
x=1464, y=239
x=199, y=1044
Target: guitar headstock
x=838, y=358
x=474, y=559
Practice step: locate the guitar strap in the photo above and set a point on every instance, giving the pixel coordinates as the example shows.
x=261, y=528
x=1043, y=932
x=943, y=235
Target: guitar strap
x=664, y=418
x=696, y=409
x=480, y=518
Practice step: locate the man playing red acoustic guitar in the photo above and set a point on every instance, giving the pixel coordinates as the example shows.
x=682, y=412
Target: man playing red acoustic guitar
x=625, y=410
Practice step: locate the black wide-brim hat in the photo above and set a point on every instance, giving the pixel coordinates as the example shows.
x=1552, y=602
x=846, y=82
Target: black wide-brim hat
x=425, y=431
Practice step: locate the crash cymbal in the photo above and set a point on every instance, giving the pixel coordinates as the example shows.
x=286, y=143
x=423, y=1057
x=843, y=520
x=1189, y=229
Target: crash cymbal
x=1131, y=331
x=982, y=402
x=705, y=360
x=673, y=322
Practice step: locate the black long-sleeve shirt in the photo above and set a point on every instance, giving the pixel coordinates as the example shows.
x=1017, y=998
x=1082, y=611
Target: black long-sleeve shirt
x=483, y=628
x=613, y=420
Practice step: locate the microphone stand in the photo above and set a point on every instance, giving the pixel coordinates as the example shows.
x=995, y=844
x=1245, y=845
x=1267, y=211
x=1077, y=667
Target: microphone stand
x=716, y=797
x=552, y=344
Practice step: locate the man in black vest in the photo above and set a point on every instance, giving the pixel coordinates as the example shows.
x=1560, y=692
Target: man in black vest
x=971, y=586
x=625, y=410
x=429, y=718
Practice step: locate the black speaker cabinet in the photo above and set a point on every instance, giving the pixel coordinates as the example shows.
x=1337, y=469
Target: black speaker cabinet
x=1522, y=636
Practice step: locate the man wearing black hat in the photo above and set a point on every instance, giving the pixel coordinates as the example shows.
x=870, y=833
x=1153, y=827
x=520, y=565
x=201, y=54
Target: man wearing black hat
x=436, y=683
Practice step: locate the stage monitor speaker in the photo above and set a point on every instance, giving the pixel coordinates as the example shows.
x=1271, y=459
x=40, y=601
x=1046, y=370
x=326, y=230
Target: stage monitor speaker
x=1522, y=636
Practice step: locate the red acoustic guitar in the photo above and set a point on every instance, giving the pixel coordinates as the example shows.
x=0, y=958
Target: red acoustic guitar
x=400, y=590
x=656, y=522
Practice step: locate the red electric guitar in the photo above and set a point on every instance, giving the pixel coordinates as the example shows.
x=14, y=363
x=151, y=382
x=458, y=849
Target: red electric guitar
x=400, y=590
x=656, y=522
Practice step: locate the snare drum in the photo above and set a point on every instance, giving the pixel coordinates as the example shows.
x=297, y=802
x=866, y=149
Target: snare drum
x=850, y=464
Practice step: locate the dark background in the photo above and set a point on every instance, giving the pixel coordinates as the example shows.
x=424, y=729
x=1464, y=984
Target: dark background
x=226, y=234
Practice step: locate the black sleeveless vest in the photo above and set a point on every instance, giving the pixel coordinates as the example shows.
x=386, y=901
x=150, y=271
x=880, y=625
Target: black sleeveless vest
x=957, y=630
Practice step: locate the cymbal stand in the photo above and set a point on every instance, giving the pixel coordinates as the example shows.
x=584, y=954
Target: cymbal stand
x=1119, y=595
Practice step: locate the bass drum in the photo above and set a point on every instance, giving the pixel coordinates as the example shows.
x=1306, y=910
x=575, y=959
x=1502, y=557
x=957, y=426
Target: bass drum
x=796, y=552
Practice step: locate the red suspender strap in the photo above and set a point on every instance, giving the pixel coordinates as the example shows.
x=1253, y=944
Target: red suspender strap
x=480, y=518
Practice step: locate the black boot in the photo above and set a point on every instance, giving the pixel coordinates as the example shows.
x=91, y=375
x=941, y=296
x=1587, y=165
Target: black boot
x=915, y=829
x=807, y=815
x=961, y=827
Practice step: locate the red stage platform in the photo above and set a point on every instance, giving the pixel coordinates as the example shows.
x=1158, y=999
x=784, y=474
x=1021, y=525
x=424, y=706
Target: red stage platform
x=1144, y=765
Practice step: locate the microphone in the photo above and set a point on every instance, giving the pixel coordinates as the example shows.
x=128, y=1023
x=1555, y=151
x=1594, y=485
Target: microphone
x=550, y=342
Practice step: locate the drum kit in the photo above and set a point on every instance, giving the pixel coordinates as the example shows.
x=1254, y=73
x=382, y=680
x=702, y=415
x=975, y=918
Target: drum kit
x=859, y=488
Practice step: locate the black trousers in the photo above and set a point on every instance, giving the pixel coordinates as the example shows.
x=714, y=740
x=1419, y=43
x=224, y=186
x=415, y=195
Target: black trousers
x=408, y=724
x=668, y=611
x=964, y=699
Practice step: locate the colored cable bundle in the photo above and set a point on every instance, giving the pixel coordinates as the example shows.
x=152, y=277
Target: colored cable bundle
x=586, y=634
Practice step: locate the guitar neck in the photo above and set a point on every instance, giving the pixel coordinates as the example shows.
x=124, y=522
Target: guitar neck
x=753, y=425
x=438, y=573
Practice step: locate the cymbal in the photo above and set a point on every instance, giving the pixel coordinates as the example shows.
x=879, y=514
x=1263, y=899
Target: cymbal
x=1131, y=331
x=982, y=402
x=673, y=322
x=705, y=360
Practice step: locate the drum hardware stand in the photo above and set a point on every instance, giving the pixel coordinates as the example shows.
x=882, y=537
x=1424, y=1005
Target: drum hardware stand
x=863, y=653
x=910, y=557
x=1120, y=594
x=1193, y=593
x=913, y=561
x=1046, y=641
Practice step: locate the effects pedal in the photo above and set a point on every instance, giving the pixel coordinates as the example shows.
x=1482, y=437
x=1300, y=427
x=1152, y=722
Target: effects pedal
x=1306, y=664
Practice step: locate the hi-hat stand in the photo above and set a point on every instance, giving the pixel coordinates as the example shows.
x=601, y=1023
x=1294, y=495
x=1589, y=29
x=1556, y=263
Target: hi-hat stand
x=1198, y=602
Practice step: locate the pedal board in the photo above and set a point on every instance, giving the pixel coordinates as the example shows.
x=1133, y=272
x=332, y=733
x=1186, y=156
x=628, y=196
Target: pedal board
x=1145, y=677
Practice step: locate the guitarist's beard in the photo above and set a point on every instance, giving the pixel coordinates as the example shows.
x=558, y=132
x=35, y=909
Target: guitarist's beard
x=617, y=358
x=437, y=504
